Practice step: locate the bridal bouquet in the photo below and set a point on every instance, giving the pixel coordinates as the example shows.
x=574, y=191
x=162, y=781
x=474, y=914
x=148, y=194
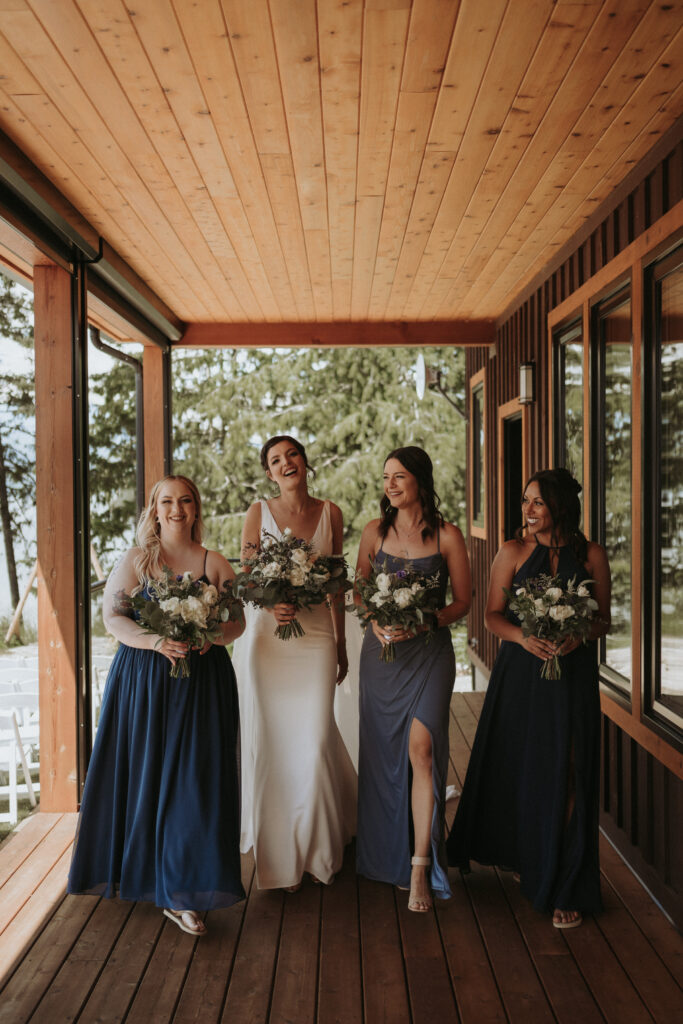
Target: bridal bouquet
x=183, y=608
x=404, y=598
x=287, y=570
x=547, y=607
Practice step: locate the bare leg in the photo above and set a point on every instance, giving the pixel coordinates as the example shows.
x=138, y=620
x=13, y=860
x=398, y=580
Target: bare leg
x=422, y=800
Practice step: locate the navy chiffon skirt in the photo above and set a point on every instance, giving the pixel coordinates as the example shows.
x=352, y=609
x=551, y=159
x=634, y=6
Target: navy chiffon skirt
x=160, y=813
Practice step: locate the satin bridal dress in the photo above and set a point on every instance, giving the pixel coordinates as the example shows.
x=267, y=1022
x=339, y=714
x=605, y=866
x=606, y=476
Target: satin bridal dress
x=298, y=782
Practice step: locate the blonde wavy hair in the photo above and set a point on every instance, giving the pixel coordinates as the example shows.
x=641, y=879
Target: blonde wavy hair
x=148, y=564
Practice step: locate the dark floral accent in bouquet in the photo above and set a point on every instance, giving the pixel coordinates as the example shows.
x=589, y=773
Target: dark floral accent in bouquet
x=287, y=570
x=404, y=598
x=183, y=608
x=551, y=609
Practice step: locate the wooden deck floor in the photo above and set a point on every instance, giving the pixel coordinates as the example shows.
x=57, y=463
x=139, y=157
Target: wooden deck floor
x=340, y=955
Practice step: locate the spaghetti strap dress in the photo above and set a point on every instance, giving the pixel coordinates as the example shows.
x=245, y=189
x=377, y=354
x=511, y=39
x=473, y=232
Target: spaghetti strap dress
x=159, y=818
x=298, y=782
x=534, y=735
x=418, y=684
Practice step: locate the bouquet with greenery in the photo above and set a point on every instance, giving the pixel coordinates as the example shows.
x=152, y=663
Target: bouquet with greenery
x=547, y=607
x=183, y=608
x=404, y=598
x=286, y=570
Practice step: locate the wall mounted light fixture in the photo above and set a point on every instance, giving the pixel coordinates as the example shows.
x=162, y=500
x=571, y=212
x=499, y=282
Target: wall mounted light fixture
x=526, y=383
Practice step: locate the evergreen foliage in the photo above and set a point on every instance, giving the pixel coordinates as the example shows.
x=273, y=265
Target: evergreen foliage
x=348, y=406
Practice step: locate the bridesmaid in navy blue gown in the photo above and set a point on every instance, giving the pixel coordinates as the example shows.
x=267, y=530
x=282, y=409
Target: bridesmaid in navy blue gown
x=530, y=799
x=404, y=704
x=159, y=818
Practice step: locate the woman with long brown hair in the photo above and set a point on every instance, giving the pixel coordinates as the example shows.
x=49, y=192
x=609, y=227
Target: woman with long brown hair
x=404, y=704
x=530, y=799
x=160, y=813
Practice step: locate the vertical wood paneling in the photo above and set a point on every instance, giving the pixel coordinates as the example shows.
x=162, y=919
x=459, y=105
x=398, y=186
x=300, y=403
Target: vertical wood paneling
x=641, y=800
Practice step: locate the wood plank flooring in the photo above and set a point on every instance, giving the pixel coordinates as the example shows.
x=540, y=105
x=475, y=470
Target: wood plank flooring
x=347, y=954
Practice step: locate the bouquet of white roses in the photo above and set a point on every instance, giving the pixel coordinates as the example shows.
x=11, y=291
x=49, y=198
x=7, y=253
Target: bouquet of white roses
x=404, y=598
x=547, y=607
x=183, y=608
x=287, y=570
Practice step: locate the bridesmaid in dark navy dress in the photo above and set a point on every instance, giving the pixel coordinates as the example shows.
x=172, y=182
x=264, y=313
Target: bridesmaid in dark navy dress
x=404, y=704
x=530, y=799
x=159, y=818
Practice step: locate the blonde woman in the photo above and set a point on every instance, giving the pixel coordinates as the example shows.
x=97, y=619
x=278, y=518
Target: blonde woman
x=160, y=812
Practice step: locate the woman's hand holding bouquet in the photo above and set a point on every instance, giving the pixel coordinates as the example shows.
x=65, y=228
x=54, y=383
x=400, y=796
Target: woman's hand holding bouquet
x=558, y=613
x=406, y=599
x=185, y=609
x=288, y=571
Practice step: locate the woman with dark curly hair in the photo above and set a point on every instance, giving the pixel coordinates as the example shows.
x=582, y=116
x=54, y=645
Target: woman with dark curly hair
x=404, y=704
x=530, y=799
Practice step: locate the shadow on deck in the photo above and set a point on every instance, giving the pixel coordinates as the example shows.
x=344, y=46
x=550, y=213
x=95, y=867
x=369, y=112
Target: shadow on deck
x=344, y=954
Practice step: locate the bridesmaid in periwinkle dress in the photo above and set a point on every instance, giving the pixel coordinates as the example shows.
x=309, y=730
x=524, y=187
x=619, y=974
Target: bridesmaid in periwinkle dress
x=298, y=782
x=404, y=704
x=159, y=818
x=530, y=799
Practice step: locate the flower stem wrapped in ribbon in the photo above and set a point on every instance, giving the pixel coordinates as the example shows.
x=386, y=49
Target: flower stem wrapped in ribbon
x=287, y=570
x=186, y=609
x=551, y=609
x=404, y=598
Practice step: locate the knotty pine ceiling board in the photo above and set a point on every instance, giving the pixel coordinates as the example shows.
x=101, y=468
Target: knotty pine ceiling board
x=283, y=161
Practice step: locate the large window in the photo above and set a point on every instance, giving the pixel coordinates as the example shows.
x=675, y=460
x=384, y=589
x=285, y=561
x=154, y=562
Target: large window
x=477, y=456
x=613, y=363
x=569, y=438
x=664, y=486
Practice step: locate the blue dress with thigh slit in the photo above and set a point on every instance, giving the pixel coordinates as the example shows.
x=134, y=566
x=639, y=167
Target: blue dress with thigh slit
x=417, y=685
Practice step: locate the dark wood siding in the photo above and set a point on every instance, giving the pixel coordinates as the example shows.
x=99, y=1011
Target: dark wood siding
x=641, y=800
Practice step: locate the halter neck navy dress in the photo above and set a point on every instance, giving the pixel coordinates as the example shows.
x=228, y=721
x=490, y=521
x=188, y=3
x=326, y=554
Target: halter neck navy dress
x=418, y=684
x=160, y=812
x=532, y=734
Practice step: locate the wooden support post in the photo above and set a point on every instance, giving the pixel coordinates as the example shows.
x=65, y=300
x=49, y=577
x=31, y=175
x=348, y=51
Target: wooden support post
x=156, y=403
x=55, y=521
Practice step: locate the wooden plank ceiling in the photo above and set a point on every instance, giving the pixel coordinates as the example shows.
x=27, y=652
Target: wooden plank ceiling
x=333, y=160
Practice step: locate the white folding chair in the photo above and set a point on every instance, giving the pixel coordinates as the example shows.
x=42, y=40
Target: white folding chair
x=13, y=750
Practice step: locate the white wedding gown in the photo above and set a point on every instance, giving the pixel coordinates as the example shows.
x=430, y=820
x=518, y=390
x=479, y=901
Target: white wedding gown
x=298, y=783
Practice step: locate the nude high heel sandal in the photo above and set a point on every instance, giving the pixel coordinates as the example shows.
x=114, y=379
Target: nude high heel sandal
x=419, y=904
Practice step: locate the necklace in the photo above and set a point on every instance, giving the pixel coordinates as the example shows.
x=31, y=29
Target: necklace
x=405, y=536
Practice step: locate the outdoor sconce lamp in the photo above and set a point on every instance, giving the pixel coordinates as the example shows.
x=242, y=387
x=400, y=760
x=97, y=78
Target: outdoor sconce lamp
x=430, y=377
x=526, y=383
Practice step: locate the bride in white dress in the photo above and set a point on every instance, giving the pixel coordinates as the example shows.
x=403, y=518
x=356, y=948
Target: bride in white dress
x=298, y=782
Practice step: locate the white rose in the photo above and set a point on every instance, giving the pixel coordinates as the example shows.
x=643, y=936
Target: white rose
x=266, y=543
x=583, y=590
x=520, y=592
x=210, y=595
x=541, y=606
x=296, y=576
x=416, y=587
x=286, y=532
x=271, y=570
x=561, y=612
x=300, y=558
x=403, y=597
x=553, y=594
x=379, y=599
x=320, y=576
x=170, y=605
x=187, y=577
x=193, y=610
x=383, y=582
